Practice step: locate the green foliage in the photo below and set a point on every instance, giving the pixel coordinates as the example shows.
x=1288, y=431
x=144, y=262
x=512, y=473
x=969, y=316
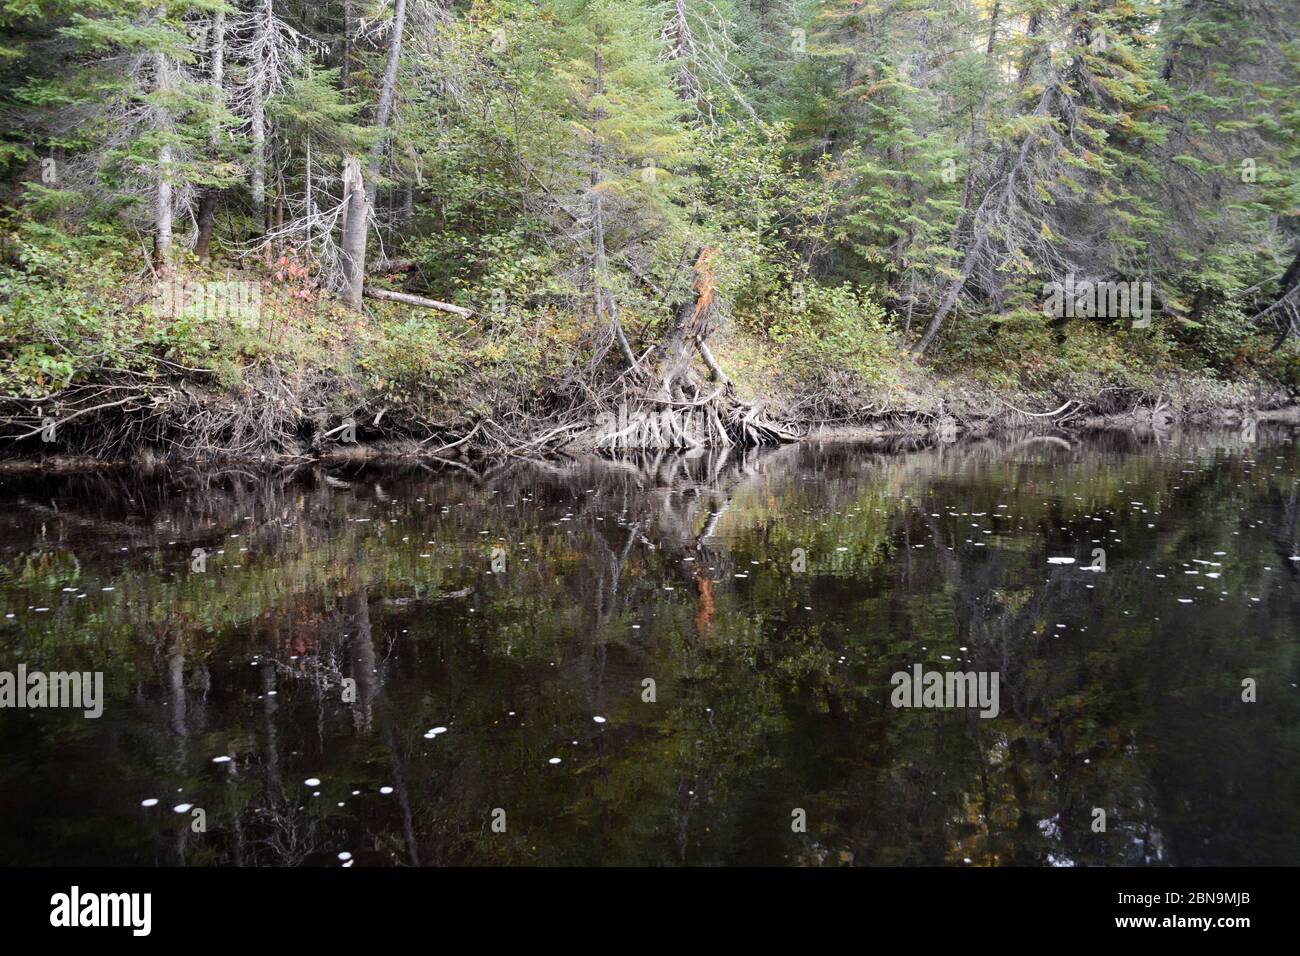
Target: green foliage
x=835, y=329
x=867, y=155
x=58, y=311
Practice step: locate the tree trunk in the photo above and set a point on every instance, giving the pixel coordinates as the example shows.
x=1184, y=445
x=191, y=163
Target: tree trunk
x=216, y=79
x=993, y=26
x=418, y=300
x=362, y=199
x=163, y=186
x=206, y=218
x=308, y=194
x=257, y=121
x=606, y=307
x=689, y=331
x=1000, y=192
x=352, y=247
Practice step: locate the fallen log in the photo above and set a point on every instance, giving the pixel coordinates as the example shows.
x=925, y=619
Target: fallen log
x=419, y=301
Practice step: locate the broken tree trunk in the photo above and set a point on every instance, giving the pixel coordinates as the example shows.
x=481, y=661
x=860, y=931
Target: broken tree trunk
x=680, y=411
x=689, y=330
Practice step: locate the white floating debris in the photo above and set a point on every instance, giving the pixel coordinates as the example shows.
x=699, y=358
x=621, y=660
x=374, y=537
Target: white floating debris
x=182, y=807
x=345, y=855
x=1060, y=560
x=222, y=759
x=312, y=782
x=599, y=720
x=385, y=790
x=553, y=760
x=151, y=802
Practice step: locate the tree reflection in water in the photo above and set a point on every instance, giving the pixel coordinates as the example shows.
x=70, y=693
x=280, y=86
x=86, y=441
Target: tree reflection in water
x=343, y=615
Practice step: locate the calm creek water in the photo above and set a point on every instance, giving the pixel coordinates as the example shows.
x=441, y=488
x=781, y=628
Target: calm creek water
x=369, y=666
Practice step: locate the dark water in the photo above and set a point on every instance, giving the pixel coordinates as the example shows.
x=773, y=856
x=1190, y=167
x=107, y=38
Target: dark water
x=1119, y=690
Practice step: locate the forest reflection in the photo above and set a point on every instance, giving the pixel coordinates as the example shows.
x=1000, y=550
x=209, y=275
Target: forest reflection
x=317, y=626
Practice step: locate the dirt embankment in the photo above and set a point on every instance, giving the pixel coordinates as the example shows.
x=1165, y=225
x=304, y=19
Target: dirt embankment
x=274, y=417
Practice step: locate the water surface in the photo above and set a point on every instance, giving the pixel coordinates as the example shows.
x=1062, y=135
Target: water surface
x=395, y=659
